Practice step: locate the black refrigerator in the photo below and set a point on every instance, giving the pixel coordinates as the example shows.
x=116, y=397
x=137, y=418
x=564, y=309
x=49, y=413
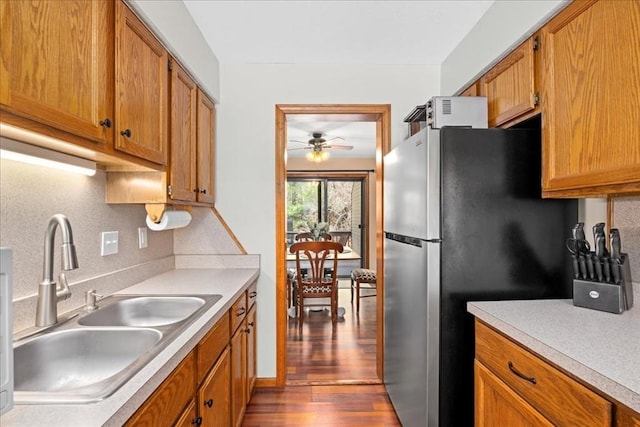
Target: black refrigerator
x=464, y=221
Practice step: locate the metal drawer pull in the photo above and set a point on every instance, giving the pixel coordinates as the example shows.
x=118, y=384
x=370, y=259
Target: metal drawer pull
x=241, y=311
x=197, y=421
x=532, y=380
x=209, y=403
x=253, y=294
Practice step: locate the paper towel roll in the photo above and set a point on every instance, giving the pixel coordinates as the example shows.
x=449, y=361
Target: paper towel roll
x=170, y=220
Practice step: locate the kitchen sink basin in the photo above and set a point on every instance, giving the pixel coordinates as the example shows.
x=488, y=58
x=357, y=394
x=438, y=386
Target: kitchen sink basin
x=89, y=357
x=79, y=361
x=144, y=311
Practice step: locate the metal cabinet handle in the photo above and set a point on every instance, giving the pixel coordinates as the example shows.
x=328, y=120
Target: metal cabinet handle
x=513, y=369
x=196, y=190
x=105, y=123
x=251, y=324
x=197, y=421
x=209, y=403
x=241, y=311
x=203, y=191
x=126, y=132
x=253, y=294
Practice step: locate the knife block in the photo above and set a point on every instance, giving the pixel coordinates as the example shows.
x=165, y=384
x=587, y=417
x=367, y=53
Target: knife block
x=606, y=296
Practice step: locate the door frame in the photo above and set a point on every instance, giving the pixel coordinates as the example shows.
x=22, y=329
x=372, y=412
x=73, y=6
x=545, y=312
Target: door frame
x=381, y=115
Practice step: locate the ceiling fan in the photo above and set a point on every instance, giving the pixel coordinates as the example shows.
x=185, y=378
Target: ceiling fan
x=318, y=146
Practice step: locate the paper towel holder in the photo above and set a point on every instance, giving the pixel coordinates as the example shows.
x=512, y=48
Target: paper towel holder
x=156, y=210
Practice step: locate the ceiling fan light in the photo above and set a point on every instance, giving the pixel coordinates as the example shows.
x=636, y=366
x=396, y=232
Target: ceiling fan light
x=310, y=156
x=324, y=155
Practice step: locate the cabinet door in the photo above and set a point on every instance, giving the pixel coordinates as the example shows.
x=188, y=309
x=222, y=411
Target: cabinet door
x=591, y=99
x=510, y=86
x=189, y=417
x=182, y=135
x=206, y=149
x=252, y=329
x=625, y=417
x=214, y=394
x=142, y=66
x=238, y=375
x=497, y=404
x=168, y=402
x=57, y=64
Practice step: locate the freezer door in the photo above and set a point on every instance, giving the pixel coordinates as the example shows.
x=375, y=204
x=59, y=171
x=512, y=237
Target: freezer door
x=411, y=330
x=412, y=186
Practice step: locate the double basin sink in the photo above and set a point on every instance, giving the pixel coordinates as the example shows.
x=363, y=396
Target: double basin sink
x=89, y=357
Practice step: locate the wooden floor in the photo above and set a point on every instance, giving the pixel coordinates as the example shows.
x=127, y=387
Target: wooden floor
x=322, y=354
x=331, y=375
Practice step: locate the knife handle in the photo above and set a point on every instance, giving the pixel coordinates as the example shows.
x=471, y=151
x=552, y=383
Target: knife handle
x=615, y=270
x=590, y=269
x=576, y=269
x=583, y=267
x=598, y=267
x=606, y=270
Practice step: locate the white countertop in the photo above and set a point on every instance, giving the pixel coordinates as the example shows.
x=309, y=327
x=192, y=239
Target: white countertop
x=117, y=408
x=601, y=349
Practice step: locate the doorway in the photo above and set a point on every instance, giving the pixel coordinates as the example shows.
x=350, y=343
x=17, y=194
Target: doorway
x=380, y=115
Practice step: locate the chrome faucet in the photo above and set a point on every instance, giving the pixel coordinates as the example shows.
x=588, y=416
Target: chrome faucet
x=48, y=292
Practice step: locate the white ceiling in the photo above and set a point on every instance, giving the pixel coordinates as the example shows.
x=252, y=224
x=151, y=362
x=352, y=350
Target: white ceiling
x=335, y=32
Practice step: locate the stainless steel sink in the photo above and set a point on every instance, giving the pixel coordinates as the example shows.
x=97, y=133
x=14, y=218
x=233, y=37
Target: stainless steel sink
x=89, y=357
x=78, y=361
x=144, y=311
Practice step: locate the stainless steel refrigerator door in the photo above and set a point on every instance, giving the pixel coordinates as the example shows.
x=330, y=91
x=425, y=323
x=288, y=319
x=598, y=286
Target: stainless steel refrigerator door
x=411, y=332
x=412, y=186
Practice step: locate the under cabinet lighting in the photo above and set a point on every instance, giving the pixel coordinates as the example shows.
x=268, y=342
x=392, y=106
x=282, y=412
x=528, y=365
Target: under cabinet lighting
x=39, y=156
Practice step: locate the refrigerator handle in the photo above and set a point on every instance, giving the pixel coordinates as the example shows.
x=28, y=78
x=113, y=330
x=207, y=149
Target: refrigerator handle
x=413, y=241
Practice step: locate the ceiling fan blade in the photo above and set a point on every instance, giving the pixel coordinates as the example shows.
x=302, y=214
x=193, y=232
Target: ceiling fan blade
x=301, y=148
x=336, y=139
x=339, y=147
x=301, y=142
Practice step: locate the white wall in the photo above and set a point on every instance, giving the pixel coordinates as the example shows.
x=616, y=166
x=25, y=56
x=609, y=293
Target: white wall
x=504, y=25
x=245, y=148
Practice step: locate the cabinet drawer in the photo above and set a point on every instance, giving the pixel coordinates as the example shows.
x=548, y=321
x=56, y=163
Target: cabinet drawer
x=252, y=295
x=558, y=397
x=238, y=312
x=212, y=345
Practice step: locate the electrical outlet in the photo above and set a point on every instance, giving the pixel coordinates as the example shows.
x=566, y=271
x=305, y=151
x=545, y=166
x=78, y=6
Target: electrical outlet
x=109, y=244
x=142, y=237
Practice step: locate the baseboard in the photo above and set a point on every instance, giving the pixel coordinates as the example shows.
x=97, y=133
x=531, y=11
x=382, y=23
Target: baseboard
x=265, y=382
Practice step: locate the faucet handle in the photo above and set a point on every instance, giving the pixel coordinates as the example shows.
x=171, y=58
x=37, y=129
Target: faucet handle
x=90, y=299
x=63, y=292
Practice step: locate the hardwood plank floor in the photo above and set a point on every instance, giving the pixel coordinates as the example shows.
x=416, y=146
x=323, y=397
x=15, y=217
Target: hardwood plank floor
x=331, y=375
x=321, y=405
x=321, y=354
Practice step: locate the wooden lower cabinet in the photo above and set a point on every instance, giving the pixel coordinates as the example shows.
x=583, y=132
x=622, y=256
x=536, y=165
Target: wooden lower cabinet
x=166, y=405
x=252, y=341
x=214, y=382
x=214, y=401
x=494, y=400
x=238, y=375
x=515, y=387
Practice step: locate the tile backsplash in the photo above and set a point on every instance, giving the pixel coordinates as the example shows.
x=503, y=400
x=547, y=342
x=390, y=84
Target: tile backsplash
x=626, y=218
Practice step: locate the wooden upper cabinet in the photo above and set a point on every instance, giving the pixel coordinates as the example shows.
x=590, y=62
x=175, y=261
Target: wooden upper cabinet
x=471, y=90
x=591, y=99
x=182, y=175
x=57, y=65
x=510, y=86
x=142, y=66
x=206, y=148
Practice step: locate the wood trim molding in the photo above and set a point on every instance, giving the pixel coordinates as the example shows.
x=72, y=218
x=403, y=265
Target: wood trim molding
x=243, y=251
x=381, y=115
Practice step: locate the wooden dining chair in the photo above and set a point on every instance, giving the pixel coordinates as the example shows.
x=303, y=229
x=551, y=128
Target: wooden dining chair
x=315, y=257
x=308, y=237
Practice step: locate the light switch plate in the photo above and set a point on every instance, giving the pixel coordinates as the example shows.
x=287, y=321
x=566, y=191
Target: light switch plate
x=109, y=244
x=142, y=237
